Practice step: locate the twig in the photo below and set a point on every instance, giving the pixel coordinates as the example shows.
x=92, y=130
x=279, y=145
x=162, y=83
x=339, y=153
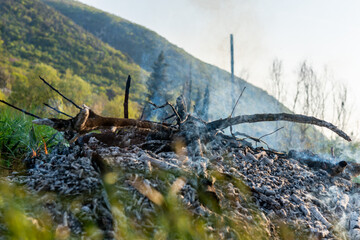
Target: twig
x=271, y=133
x=156, y=106
x=57, y=110
x=233, y=110
x=6, y=168
x=265, y=144
x=237, y=101
x=172, y=107
x=167, y=118
x=57, y=91
x=256, y=140
x=19, y=109
x=175, y=112
x=126, y=101
x=247, y=136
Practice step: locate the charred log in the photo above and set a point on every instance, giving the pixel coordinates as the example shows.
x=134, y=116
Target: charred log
x=316, y=162
x=87, y=121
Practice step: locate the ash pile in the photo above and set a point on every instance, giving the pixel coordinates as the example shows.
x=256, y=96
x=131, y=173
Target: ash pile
x=127, y=180
x=140, y=179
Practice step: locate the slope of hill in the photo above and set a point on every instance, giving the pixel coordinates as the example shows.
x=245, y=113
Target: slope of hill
x=32, y=30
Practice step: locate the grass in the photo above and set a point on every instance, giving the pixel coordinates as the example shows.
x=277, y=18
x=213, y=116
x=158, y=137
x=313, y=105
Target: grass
x=18, y=137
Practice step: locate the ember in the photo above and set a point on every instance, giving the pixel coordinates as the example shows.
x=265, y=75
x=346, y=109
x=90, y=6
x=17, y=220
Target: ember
x=45, y=148
x=33, y=153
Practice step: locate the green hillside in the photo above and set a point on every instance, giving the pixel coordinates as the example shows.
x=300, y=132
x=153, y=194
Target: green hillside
x=37, y=40
x=32, y=30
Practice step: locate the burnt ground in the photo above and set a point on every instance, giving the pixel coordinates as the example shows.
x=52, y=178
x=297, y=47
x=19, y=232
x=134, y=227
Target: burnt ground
x=124, y=180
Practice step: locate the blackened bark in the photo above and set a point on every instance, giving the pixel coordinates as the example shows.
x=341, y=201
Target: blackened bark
x=126, y=101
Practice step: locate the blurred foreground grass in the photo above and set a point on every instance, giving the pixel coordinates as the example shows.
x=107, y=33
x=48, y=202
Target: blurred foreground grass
x=21, y=215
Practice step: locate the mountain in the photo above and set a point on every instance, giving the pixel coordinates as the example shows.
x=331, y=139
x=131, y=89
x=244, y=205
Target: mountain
x=34, y=31
x=79, y=41
x=144, y=46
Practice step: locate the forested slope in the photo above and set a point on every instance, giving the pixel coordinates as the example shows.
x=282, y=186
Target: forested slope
x=33, y=31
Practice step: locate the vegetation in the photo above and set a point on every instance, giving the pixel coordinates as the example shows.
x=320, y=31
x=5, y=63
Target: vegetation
x=23, y=215
x=18, y=137
x=32, y=30
x=36, y=40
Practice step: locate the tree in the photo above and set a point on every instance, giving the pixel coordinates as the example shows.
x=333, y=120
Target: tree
x=4, y=78
x=205, y=105
x=187, y=91
x=28, y=91
x=157, y=85
x=310, y=99
x=198, y=103
x=341, y=109
x=277, y=85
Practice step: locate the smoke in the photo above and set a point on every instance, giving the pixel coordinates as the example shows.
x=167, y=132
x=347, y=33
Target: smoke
x=221, y=18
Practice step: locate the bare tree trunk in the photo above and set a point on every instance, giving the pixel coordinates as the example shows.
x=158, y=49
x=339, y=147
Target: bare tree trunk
x=126, y=101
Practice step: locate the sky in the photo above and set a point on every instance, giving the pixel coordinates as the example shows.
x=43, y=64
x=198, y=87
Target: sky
x=325, y=33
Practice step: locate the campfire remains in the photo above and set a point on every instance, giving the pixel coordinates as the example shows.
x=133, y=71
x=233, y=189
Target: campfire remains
x=210, y=172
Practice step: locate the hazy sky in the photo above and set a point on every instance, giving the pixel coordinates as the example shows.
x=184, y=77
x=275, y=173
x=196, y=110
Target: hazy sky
x=323, y=32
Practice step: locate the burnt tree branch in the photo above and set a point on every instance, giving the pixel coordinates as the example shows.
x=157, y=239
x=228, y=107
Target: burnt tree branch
x=21, y=110
x=57, y=110
x=224, y=123
x=58, y=92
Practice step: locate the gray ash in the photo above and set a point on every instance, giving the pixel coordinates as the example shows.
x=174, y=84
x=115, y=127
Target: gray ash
x=313, y=196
